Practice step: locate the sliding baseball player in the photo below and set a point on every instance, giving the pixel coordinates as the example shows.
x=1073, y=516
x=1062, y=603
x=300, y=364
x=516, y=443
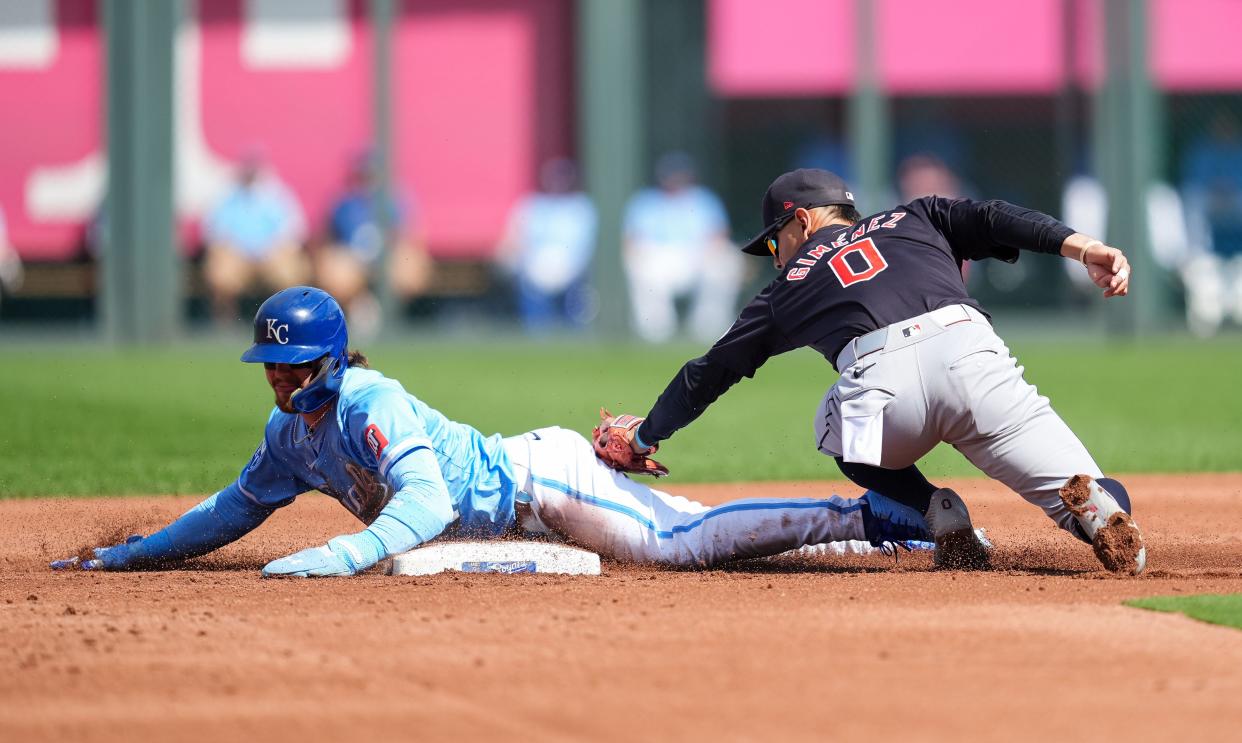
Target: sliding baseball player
x=411, y=475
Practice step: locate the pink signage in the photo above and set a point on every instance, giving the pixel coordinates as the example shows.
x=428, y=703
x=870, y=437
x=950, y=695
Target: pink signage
x=1194, y=44
x=482, y=93
x=970, y=46
x=51, y=97
x=959, y=47
x=780, y=47
x=307, y=119
x=467, y=110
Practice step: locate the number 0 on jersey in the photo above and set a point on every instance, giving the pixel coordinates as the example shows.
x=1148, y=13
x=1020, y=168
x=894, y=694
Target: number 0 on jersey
x=868, y=252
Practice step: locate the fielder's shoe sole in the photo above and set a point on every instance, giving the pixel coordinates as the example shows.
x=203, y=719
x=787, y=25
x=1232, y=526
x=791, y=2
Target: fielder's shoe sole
x=1115, y=537
x=957, y=545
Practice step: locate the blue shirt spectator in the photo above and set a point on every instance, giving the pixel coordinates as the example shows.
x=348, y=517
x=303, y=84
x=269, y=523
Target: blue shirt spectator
x=1212, y=187
x=351, y=262
x=686, y=219
x=555, y=229
x=1212, y=194
x=548, y=246
x=353, y=223
x=256, y=216
x=677, y=245
x=254, y=235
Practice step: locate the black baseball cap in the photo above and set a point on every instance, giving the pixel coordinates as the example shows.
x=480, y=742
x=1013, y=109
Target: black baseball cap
x=804, y=188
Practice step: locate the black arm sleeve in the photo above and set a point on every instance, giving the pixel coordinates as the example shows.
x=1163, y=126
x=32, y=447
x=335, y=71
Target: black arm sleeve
x=753, y=339
x=699, y=383
x=994, y=229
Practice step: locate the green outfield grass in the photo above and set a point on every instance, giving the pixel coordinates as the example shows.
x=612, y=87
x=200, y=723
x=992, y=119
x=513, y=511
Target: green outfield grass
x=90, y=420
x=1223, y=609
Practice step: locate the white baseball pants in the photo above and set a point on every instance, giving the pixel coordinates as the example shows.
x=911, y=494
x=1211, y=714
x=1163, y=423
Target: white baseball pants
x=575, y=496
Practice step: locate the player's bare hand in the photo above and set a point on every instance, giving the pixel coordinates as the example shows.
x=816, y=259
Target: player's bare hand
x=1108, y=268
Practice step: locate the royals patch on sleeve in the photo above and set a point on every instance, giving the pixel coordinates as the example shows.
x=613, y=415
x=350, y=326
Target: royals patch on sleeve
x=375, y=440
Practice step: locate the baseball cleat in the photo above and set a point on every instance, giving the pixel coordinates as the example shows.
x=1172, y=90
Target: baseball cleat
x=1115, y=537
x=957, y=545
x=886, y=521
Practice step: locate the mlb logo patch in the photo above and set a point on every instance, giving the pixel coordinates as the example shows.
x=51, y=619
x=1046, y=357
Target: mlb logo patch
x=911, y=330
x=375, y=440
x=788, y=205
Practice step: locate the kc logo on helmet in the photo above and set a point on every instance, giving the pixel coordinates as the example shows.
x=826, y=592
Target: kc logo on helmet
x=279, y=332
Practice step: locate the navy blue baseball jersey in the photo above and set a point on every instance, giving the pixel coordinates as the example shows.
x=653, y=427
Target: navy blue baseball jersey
x=848, y=280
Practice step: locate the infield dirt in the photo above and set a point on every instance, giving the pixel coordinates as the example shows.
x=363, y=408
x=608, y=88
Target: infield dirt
x=835, y=648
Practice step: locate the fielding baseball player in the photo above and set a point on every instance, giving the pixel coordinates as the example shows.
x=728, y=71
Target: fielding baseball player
x=882, y=298
x=410, y=474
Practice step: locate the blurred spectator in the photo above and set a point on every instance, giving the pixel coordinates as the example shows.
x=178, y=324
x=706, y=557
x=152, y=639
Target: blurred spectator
x=1212, y=191
x=348, y=264
x=1084, y=206
x=923, y=174
x=825, y=152
x=254, y=232
x=10, y=264
x=676, y=244
x=929, y=127
x=547, y=248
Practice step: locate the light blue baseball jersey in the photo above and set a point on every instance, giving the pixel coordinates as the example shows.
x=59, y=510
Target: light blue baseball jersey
x=373, y=451
x=396, y=463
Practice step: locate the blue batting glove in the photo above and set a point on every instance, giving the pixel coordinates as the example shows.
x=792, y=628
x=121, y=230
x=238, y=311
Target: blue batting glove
x=116, y=557
x=315, y=562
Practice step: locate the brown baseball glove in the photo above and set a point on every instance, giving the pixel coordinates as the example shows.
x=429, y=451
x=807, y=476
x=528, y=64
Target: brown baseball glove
x=613, y=439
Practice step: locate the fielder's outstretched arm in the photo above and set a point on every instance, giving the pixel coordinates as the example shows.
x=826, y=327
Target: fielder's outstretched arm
x=751, y=341
x=998, y=229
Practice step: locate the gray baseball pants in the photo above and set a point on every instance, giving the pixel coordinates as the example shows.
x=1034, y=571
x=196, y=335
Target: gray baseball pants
x=946, y=376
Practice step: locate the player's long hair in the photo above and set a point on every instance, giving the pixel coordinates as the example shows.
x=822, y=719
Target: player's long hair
x=358, y=358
